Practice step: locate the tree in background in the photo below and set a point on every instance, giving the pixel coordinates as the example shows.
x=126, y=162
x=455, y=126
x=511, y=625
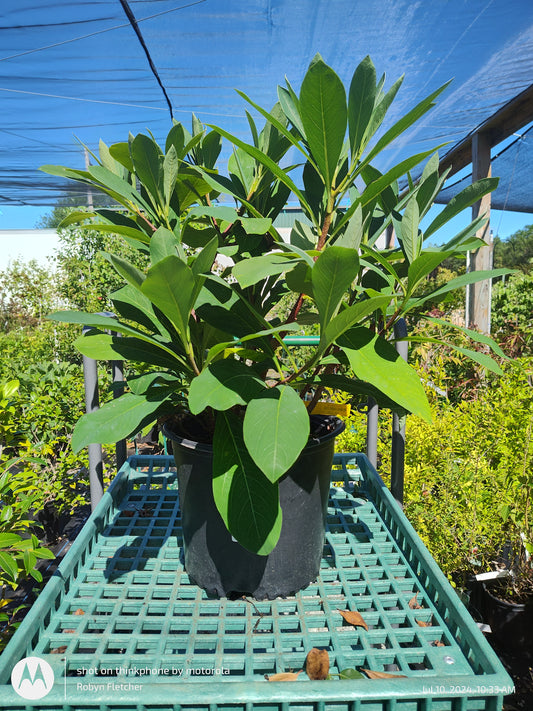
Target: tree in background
x=516, y=252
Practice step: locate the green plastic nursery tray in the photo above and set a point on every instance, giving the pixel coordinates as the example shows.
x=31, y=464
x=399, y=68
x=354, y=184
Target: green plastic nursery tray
x=122, y=627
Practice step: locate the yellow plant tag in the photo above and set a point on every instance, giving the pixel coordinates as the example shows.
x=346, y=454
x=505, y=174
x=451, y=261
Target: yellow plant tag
x=330, y=408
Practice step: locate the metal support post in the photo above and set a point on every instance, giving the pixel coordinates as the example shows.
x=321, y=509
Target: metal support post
x=372, y=432
x=117, y=368
x=398, y=425
x=96, y=478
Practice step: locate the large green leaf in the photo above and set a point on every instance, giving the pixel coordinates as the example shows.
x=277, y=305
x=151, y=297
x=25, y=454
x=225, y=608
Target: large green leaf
x=222, y=385
x=250, y=271
x=361, y=100
x=128, y=271
x=170, y=285
x=376, y=361
x=246, y=500
x=102, y=346
x=116, y=420
x=276, y=429
x=170, y=173
x=350, y=316
x=147, y=160
x=334, y=271
x=404, y=123
x=408, y=233
x=422, y=267
x=460, y=281
x=163, y=243
x=467, y=197
x=324, y=116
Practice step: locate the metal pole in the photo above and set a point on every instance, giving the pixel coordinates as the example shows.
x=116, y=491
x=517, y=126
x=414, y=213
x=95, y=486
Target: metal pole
x=398, y=425
x=117, y=368
x=96, y=479
x=372, y=431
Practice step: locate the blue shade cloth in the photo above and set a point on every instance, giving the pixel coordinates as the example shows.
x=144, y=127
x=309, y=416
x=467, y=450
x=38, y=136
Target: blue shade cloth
x=78, y=69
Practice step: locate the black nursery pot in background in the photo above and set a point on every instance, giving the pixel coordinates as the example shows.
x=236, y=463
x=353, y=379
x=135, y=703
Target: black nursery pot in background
x=213, y=558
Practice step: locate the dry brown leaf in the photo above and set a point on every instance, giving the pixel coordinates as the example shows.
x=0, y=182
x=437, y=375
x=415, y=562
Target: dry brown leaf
x=438, y=643
x=284, y=676
x=421, y=623
x=59, y=650
x=354, y=618
x=79, y=611
x=317, y=664
x=69, y=631
x=413, y=603
x=382, y=675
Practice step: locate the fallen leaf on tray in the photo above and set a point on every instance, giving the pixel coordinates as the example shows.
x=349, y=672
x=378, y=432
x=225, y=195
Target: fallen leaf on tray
x=413, y=603
x=79, y=611
x=69, y=631
x=317, y=664
x=59, y=650
x=382, y=675
x=421, y=623
x=438, y=643
x=284, y=676
x=354, y=618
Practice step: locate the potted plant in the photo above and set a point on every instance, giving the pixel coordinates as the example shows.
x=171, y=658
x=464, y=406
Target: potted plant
x=508, y=596
x=214, y=363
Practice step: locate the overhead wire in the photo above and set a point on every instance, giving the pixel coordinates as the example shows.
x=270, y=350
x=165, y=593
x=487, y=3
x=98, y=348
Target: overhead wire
x=135, y=26
x=99, y=32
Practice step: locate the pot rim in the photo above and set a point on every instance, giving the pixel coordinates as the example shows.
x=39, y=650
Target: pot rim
x=518, y=606
x=206, y=448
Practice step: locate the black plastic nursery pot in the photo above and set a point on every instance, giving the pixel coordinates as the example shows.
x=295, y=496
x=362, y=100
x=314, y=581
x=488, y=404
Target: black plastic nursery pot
x=510, y=623
x=213, y=558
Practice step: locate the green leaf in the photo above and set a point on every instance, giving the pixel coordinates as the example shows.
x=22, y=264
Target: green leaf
x=163, y=243
x=276, y=429
x=361, y=100
x=473, y=335
x=222, y=385
x=334, y=271
x=127, y=270
x=116, y=420
x=102, y=346
x=291, y=107
x=408, y=232
x=203, y=261
x=247, y=502
x=170, y=173
x=255, y=225
x=146, y=156
x=376, y=361
x=467, y=197
x=255, y=269
x=171, y=286
x=460, y=281
x=351, y=674
x=9, y=539
x=324, y=116
x=9, y=566
x=422, y=267
x=118, y=187
x=404, y=123
x=274, y=168
x=121, y=153
x=349, y=316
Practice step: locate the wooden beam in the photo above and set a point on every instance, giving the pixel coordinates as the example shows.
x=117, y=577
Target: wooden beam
x=508, y=120
x=478, y=295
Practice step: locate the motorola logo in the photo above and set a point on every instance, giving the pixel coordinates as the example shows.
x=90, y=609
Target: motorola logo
x=32, y=678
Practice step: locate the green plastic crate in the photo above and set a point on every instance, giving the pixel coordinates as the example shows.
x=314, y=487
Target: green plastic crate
x=149, y=639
